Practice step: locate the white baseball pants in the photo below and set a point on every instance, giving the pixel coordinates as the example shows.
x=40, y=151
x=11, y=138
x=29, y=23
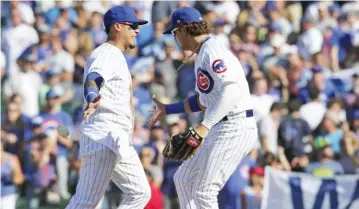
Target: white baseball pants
x=103, y=165
x=199, y=179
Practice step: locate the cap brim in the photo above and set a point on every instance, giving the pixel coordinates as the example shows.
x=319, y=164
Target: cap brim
x=140, y=21
x=168, y=31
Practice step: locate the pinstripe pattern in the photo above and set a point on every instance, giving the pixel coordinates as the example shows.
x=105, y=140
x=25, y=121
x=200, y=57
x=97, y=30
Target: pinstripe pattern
x=108, y=128
x=199, y=179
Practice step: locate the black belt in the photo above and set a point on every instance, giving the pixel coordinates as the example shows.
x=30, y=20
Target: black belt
x=249, y=113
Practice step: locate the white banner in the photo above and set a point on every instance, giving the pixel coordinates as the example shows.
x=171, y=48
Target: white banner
x=288, y=190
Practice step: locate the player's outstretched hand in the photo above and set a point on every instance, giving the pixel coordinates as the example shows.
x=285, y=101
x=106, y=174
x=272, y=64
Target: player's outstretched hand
x=91, y=108
x=158, y=113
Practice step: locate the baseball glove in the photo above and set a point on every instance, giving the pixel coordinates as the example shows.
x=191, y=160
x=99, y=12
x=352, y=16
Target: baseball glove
x=182, y=146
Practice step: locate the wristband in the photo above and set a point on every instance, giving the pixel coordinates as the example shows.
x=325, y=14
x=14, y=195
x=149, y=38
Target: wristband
x=193, y=103
x=175, y=108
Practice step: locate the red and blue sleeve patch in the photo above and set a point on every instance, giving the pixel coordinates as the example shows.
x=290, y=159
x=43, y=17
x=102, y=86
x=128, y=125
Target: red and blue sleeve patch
x=218, y=66
x=205, y=82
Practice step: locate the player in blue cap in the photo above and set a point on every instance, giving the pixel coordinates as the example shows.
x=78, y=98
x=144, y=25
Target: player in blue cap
x=106, y=136
x=228, y=131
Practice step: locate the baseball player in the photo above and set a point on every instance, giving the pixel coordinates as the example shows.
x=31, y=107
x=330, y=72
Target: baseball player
x=105, y=144
x=228, y=129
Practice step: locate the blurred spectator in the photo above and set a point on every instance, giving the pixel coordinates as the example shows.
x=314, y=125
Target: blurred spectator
x=294, y=12
x=53, y=118
x=294, y=133
x=2, y=64
x=27, y=83
x=147, y=155
x=330, y=128
x=313, y=111
x=268, y=128
x=261, y=100
x=34, y=128
x=230, y=195
x=60, y=61
x=96, y=30
x=13, y=128
x=348, y=146
x=320, y=82
x=41, y=50
x=52, y=80
x=157, y=143
x=11, y=176
x=85, y=47
x=337, y=106
x=278, y=20
x=162, y=10
x=16, y=39
x=227, y=11
x=41, y=173
x=310, y=43
x=325, y=166
x=167, y=69
x=156, y=200
x=251, y=196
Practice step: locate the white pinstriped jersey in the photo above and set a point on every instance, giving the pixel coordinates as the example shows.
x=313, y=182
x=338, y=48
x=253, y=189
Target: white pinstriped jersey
x=215, y=66
x=113, y=119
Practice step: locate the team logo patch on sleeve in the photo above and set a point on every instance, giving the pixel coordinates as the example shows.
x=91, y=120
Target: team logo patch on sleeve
x=205, y=82
x=218, y=66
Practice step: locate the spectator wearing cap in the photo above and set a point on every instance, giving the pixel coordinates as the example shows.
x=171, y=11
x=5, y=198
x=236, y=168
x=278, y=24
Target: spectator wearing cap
x=268, y=128
x=11, y=176
x=294, y=133
x=13, y=128
x=27, y=83
x=313, y=111
x=320, y=82
x=16, y=39
x=229, y=196
x=52, y=80
x=34, y=128
x=330, y=128
x=310, y=43
x=324, y=19
x=53, y=118
x=157, y=143
x=325, y=166
x=251, y=196
x=219, y=34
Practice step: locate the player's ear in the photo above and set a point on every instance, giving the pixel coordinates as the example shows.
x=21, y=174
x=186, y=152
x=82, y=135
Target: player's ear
x=117, y=27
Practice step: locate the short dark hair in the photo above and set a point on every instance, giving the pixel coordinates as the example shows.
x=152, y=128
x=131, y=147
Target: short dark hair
x=196, y=28
x=276, y=107
x=293, y=106
x=314, y=92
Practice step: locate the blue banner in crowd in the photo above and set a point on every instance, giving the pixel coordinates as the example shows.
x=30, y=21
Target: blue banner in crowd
x=304, y=191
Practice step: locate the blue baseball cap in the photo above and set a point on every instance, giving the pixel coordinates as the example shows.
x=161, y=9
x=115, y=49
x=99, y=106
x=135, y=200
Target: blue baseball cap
x=53, y=93
x=121, y=14
x=184, y=15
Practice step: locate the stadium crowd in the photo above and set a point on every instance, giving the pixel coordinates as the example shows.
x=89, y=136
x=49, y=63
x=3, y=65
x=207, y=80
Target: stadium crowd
x=301, y=60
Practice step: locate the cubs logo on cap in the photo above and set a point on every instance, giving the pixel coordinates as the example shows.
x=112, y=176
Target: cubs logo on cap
x=218, y=66
x=205, y=82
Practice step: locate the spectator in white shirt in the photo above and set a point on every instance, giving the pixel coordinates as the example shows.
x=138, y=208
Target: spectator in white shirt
x=61, y=61
x=310, y=43
x=268, y=129
x=313, y=111
x=27, y=83
x=227, y=11
x=262, y=101
x=16, y=39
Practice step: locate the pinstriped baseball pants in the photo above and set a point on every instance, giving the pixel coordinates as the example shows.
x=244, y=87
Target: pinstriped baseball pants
x=103, y=165
x=199, y=179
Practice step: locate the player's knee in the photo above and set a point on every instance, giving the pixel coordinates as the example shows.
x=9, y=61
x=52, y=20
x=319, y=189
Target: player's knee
x=204, y=197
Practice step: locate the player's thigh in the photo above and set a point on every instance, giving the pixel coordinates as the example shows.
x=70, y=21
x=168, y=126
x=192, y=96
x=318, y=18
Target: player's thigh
x=95, y=175
x=129, y=175
x=220, y=157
